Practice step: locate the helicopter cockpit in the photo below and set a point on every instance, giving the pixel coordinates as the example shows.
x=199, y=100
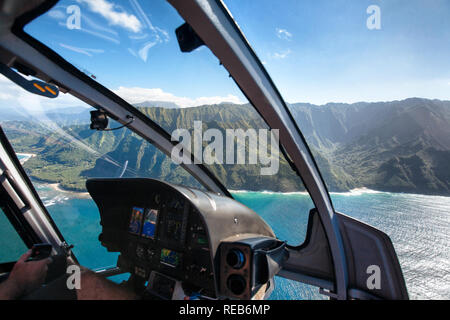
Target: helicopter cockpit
x=181, y=233
x=186, y=240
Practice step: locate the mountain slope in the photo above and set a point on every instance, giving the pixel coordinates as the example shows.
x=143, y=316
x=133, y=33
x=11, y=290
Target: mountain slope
x=399, y=146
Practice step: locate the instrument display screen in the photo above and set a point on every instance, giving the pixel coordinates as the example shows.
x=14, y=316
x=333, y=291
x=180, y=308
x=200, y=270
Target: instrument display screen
x=150, y=223
x=170, y=258
x=136, y=220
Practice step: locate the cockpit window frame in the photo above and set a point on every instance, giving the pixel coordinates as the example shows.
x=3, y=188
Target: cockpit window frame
x=17, y=29
x=14, y=215
x=292, y=148
x=219, y=31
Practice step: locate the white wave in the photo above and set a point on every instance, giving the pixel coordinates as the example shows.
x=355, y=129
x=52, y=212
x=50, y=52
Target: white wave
x=303, y=193
x=24, y=157
x=357, y=192
x=421, y=196
x=49, y=203
x=270, y=192
x=55, y=200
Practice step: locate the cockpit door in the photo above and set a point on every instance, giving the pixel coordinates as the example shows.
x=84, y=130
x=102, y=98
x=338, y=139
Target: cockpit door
x=373, y=268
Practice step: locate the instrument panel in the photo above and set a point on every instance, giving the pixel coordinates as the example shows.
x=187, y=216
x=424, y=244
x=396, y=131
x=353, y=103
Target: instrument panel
x=167, y=235
x=170, y=239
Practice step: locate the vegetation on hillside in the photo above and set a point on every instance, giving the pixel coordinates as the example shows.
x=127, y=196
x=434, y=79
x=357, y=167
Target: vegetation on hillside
x=400, y=146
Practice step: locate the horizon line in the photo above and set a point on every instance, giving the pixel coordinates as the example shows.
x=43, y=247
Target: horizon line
x=289, y=103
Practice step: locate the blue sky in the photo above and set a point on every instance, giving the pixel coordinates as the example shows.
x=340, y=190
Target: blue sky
x=316, y=51
x=331, y=55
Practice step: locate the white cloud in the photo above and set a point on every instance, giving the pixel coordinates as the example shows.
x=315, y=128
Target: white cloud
x=8, y=89
x=281, y=55
x=136, y=95
x=148, y=40
x=56, y=14
x=143, y=52
x=160, y=34
x=6, y=96
x=14, y=97
x=109, y=12
x=95, y=34
x=284, y=34
x=142, y=34
x=33, y=106
x=86, y=51
x=164, y=33
x=88, y=21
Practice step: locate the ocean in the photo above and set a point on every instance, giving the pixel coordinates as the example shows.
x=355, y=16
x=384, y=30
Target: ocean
x=418, y=225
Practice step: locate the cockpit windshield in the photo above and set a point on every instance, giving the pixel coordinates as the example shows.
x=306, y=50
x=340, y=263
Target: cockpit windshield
x=188, y=95
x=132, y=49
x=367, y=82
x=192, y=128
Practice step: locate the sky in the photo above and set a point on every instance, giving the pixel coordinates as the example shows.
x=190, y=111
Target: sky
x=316, y=51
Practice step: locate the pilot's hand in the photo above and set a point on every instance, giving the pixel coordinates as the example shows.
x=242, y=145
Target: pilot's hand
x=27, y=276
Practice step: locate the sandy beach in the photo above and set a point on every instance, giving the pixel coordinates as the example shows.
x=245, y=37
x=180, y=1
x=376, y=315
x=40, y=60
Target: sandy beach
x=27, y=156
x=72, y=194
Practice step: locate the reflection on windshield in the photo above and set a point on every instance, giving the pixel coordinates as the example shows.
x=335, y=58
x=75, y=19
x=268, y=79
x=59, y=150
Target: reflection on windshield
x=132, y=50
x=59, y=152
x=59, y=147
x=317, y=52
x=176, y=90
x=101, y=37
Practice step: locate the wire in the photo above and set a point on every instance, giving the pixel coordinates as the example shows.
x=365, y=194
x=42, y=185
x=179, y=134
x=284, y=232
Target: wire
x=126, y=124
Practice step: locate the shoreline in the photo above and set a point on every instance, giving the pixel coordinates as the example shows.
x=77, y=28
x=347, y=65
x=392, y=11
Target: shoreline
x=27, y=156
x=75, y=194
x=354, y=192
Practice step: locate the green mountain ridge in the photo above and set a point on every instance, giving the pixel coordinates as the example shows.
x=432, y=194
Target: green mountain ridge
x=399, y=146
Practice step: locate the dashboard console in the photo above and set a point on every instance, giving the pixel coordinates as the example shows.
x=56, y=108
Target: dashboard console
x=179, y=242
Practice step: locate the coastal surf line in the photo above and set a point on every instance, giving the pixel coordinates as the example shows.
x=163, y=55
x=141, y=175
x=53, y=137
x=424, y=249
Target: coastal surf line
x=239, y=146
x=23, y=157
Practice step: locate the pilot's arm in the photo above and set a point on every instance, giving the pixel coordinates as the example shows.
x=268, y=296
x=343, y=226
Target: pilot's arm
x=94, y=287
x=24, y=277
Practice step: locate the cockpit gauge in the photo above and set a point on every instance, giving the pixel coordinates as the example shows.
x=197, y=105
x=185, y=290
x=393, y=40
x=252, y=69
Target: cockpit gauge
x=140, y=252
x=150, y=253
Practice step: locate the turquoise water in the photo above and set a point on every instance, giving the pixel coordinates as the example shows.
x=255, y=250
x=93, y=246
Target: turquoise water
x=21, y=156
x=418, y=226
x=11, y=245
